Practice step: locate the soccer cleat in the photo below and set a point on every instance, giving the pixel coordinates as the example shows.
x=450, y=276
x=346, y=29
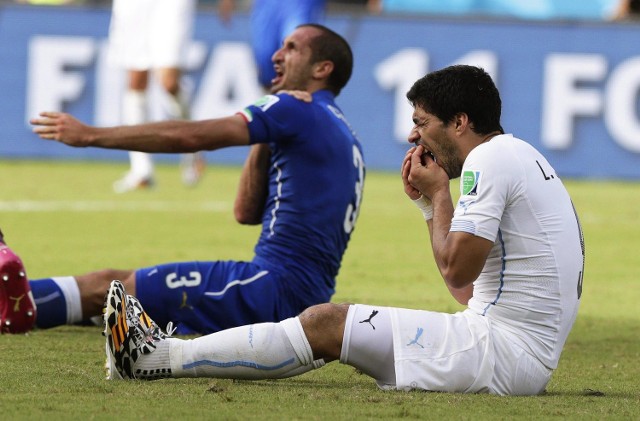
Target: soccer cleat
x=131, y=182
x=192, y=167
x=17, y=307
x=130, y=333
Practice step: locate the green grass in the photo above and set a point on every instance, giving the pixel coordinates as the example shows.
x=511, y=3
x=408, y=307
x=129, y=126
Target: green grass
x=62, y=219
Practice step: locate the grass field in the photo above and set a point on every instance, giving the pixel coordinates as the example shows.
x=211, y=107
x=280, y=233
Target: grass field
x=63, y=219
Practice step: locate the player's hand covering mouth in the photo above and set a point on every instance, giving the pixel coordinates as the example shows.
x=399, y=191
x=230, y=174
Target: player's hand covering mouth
x=429, y=153
x=426, y=152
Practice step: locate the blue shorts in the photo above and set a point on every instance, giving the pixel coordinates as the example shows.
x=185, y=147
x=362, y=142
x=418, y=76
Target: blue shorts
x=205, y=297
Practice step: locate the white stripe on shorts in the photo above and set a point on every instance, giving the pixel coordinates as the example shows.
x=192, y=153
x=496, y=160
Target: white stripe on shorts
x=237, y=282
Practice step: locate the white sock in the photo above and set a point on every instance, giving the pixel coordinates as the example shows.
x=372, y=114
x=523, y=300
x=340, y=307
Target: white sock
x=141, y=164
x=260, y=351
x=71, y=294
x=134, y=111
x=155, y=365
x=134, y=107
x=176, y=107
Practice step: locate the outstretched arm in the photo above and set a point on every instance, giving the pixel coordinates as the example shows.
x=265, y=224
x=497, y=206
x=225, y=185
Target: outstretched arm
x=254, y=186
x=163, y=137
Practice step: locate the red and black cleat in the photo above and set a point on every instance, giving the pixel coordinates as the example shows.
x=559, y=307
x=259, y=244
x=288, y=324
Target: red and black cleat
x=17, y=308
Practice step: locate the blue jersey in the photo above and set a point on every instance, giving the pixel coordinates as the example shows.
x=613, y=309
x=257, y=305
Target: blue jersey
x=316, y=178
x=271, y=22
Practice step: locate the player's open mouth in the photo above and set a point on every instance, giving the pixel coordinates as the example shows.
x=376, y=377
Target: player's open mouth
x=279, y=74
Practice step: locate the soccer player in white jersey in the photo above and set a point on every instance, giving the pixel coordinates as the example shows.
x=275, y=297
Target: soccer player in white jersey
x=148, y=36
x=511, y=249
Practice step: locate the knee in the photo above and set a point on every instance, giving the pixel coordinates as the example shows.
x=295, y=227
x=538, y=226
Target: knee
x=97, y=283
x=170, y=81
x=321, y=315
x=138, y=80
x=93, y=286
x=108, y=275
x=172, y=87
x=323, y=325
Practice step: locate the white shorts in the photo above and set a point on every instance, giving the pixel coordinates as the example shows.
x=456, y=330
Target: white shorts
x=150, y=34
x=433, y=351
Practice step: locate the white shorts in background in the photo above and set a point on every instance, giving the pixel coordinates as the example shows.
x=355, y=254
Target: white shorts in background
x=150, y=34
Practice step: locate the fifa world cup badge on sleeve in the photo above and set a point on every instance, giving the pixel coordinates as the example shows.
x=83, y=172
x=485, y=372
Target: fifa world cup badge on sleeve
x=470, y=179
x=266, y=102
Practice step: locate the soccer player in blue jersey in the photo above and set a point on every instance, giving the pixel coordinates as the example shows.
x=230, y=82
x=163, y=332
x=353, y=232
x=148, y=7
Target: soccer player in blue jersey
x=302, y=180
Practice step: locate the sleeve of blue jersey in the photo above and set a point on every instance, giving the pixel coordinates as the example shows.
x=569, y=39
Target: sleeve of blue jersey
x=279, y=122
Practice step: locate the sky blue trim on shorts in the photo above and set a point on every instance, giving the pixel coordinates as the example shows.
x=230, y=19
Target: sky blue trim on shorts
x=504, y=263
x=240, y=363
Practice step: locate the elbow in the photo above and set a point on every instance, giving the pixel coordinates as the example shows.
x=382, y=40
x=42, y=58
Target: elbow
x=456, y=279
x=462, y=296
x=459, y=273
x=462, y=300
x=460, y=286
x=245, y=218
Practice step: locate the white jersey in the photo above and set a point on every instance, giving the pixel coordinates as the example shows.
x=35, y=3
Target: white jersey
x=531, y=284
x=150, y=34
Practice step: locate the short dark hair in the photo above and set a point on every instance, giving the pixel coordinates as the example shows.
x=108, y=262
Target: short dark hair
x=329, y=45
x=460, y=89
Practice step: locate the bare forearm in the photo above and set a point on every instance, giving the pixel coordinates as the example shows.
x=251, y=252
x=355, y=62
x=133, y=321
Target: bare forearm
x=439, y=230
x=253, y=186
x=163, y=137
x=460, y=256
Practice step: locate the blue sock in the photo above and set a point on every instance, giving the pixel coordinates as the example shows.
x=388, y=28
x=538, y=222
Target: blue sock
x=57, y=301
